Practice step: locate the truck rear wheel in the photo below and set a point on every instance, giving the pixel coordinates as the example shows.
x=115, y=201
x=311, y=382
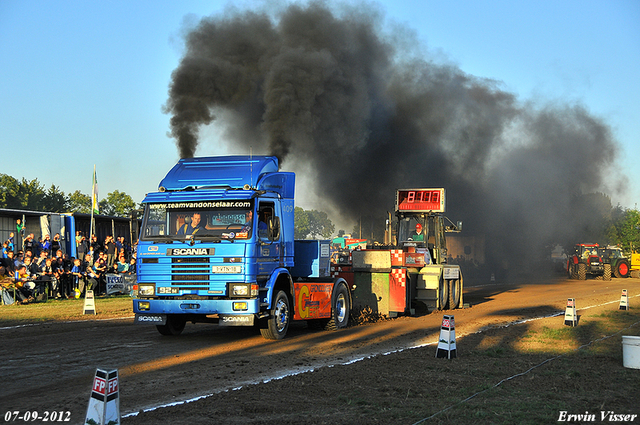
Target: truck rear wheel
x=622, y=269
x=443, y=294
x=582, y=271
x=454, y=293
x=277, y=324
x=174, y=326
x=340, y=307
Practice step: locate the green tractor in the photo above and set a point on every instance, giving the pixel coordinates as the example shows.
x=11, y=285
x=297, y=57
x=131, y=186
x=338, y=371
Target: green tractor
x=613, y=255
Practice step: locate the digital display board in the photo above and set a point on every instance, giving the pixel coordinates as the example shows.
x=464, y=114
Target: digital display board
x=420, y=200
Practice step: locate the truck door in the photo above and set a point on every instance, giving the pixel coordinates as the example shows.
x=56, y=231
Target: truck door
x=268, y=237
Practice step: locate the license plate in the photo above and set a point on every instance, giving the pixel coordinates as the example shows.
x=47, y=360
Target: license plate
x=226, y=269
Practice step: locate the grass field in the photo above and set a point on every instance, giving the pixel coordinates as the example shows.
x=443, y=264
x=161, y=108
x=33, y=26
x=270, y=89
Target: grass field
x=67, y=309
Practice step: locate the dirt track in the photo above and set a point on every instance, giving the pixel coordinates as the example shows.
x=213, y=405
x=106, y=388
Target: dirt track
x=50, y=366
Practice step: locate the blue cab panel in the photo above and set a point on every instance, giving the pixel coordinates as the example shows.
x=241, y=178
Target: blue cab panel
x=312, y=258
x=220, y=171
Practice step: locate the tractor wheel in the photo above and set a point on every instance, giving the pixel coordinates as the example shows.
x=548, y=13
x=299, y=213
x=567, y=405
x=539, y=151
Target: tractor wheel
x=572, y=270
x=622, y=269
x=454, y=293
x=339, y=308
x=607, y=272
x=174, y=326
x=276, y=325
x=582, y=271
x=443, y=294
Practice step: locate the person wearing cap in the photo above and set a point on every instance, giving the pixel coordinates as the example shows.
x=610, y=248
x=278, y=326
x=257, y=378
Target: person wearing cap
x=418, y=235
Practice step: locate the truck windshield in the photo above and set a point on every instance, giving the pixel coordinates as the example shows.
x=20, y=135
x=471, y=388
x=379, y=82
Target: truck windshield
x=225, y=220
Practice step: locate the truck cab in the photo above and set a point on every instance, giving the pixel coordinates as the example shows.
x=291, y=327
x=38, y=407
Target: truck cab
x=216, y=246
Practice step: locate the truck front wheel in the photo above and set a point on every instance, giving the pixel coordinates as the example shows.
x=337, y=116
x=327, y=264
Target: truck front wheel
x=174, y=326
x=340, y=308
x=276, y=325
x=443, y=294
x=454, y=293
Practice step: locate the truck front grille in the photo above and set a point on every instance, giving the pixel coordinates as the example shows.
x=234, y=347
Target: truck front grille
x=190, y=270
x=190, y=260
x=185, y=277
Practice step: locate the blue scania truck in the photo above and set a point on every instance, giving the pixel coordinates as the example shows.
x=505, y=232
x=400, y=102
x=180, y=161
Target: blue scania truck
x=217, y=246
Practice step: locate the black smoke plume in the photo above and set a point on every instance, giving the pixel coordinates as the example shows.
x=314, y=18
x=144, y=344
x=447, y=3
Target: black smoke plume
x=366, y=113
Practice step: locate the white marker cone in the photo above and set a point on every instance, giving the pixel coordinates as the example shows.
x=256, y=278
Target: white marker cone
x=570, y=316
x=89, y=303
x=104, y=402
x=447, y=341
x=624, y=300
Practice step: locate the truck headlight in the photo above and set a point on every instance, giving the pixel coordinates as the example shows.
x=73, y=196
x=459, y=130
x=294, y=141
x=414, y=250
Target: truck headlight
x=242, y=289
x=146, y=289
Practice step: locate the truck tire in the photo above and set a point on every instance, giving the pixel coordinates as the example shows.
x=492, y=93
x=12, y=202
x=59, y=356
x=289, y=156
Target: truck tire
x=276, y=325
x=174, y=326
x=455, y=289
x=572, y=270
x=443, y=294
x=607, y=272
x=582, y=271
x=340, y=308
x=622, y=269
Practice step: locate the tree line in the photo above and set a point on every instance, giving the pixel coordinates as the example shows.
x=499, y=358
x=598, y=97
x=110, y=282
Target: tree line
x=32, y=195
x=624, y=229
x=312, y=224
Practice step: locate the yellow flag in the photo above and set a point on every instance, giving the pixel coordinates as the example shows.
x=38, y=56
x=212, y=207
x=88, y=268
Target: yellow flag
x=94, y=196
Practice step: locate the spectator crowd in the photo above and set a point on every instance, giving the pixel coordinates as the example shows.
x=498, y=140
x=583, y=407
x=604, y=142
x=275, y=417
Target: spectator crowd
x=41, y=268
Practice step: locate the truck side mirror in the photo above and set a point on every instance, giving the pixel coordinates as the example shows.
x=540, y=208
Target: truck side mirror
x=274, y=228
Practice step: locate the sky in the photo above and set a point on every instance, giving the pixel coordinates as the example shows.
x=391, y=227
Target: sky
x=83, y=83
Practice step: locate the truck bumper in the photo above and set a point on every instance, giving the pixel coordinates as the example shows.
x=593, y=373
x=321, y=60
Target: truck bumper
x=197, y=307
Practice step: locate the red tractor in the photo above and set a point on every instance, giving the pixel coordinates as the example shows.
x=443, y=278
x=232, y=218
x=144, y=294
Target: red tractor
x=586, y=260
